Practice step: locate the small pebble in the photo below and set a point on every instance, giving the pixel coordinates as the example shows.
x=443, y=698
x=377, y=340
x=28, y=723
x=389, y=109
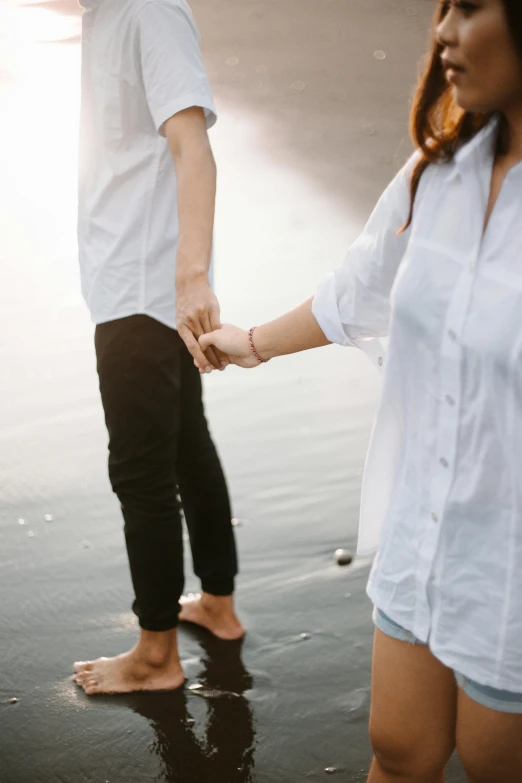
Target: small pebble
x=343, y=557
x=236, y=523
x=190, y=721
x=331, y=770
x=48, y=517
x=348, y=595
x=298, y=86
x=30, y=534
x=86, y=545
x=21, y=521
x=379, y=55
x=14, y=700
x=305, y=636
x=232, y=61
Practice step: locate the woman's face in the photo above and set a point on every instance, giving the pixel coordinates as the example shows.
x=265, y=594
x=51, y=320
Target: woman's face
x=480, y=57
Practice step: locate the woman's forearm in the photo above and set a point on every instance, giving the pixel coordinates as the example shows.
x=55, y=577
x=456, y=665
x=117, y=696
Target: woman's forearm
x=295, y=331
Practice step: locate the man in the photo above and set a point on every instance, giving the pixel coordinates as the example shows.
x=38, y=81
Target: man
x=146, y=212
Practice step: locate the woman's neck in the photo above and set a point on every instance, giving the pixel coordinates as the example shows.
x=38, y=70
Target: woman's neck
x=514, y=128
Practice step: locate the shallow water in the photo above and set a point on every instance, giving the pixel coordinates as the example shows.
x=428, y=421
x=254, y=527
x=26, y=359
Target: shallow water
x=299, y=169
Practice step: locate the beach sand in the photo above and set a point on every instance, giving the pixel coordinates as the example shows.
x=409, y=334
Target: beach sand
x=313, y=100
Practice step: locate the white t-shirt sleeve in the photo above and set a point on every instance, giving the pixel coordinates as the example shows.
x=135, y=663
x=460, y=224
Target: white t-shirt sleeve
x=173, y=72
x=352, y=304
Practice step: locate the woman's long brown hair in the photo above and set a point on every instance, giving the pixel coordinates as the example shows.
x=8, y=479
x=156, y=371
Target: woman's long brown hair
x=437, y=125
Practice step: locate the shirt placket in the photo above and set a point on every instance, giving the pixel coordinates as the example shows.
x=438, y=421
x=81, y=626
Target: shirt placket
x=448, y=416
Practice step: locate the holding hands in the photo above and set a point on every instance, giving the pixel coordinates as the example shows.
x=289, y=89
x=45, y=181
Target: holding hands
x=197, y=312
x=295, y=331
x=232, y=341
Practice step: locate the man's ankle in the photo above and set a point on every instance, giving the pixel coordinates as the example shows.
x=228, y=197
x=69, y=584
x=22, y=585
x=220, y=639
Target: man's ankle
x=218, y=604
x=157, y=648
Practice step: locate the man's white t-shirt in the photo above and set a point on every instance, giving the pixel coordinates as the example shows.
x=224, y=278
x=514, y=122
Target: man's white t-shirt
x=141, y=64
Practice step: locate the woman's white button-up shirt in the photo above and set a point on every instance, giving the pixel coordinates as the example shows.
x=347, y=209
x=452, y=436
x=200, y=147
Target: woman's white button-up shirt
x=442, y=491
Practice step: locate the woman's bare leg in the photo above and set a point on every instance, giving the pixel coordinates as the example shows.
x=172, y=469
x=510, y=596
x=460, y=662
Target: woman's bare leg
x=489, y=742
x=413, y=713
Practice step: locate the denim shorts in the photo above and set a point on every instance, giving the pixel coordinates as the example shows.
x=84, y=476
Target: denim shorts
x=493, y=699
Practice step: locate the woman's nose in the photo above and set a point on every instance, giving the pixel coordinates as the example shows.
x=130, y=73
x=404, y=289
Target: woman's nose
x=446, y=32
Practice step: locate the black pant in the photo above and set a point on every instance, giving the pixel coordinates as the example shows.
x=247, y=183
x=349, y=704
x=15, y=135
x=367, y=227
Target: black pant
x=160, y=450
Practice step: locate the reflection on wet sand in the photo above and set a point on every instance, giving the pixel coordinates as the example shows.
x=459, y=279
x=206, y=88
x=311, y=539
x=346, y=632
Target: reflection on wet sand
x=222, y=749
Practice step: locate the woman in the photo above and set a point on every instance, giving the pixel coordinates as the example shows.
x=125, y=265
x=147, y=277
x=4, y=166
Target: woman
x=439, y=269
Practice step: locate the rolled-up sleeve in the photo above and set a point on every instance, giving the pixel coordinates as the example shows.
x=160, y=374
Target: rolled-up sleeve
x=174, y=75
x=352, y=304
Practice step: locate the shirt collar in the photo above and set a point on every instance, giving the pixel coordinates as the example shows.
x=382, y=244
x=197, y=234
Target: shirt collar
x=480, y=149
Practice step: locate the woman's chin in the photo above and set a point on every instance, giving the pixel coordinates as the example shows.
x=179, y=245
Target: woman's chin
x=473, y=104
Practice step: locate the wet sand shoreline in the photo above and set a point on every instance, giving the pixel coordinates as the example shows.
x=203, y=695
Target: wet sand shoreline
x=312, y=126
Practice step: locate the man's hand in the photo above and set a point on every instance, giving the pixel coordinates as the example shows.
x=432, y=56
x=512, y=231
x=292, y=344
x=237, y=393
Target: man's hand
x=197, y=312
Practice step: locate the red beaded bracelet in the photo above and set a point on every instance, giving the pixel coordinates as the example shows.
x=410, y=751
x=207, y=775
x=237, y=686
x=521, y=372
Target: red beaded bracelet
x=252, y=346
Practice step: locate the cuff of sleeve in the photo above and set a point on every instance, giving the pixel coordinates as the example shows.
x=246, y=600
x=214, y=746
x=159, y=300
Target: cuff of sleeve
x=326, y=311
x=164, y=112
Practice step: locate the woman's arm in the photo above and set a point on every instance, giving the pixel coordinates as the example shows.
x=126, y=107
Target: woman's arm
x=351, y=305
x=292, y=332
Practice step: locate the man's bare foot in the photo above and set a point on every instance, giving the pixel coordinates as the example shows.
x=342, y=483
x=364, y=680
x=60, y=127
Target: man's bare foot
x=153, y=665
x=213, y=612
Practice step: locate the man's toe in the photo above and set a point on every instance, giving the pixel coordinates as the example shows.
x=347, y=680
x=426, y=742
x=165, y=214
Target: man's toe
x=81, y=666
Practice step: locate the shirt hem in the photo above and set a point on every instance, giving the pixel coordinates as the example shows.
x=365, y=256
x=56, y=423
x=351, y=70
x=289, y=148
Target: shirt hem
x=376, y=598
x=98, y=321
x=448, y=660
x=477, y=677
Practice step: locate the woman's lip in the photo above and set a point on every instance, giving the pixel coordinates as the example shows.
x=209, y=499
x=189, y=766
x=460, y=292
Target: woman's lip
x=448, y=65
x=452, y=74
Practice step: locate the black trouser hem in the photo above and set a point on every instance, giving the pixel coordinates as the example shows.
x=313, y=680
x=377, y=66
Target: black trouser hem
x=220, y=588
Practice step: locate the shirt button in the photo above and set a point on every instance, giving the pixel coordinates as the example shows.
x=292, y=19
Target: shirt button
x=452, y=334
x=444, y=462
x=450, y=400
x=434, y=516
x=380, y=361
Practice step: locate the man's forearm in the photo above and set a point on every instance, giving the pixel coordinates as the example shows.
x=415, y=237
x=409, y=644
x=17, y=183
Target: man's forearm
x=196, y=175
x=197, y=309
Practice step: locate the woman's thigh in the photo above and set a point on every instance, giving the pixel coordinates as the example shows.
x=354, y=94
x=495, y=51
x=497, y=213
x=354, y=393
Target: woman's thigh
x=489, y=742
x=413, y=712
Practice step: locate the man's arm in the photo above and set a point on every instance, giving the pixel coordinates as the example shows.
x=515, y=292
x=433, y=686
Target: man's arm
x=197, y=308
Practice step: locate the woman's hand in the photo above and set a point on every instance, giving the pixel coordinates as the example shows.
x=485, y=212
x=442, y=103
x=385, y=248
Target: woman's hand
x=297, y=330
x=231, y=341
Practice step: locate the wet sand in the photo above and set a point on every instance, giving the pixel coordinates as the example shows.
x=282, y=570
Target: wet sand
x=312, y=127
